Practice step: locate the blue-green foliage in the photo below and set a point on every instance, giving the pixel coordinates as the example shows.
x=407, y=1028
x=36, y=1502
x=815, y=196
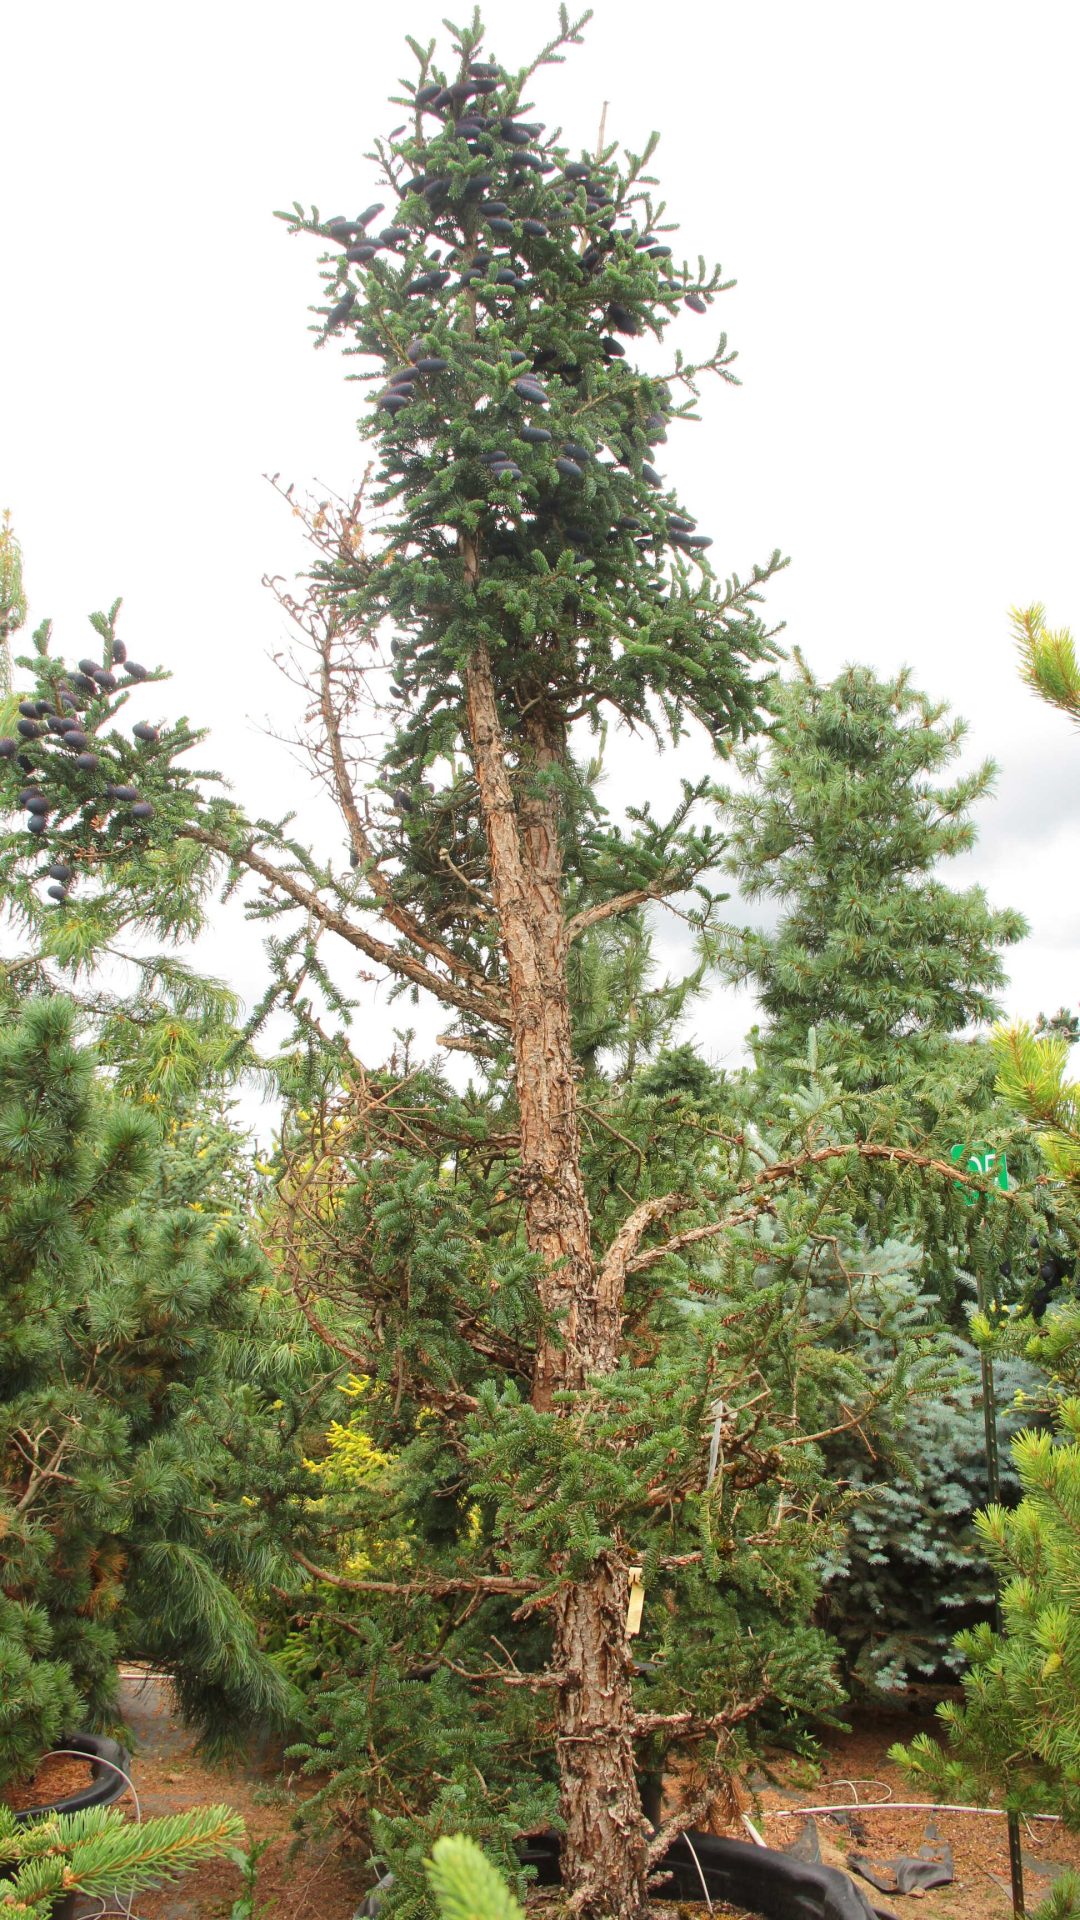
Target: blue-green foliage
x=910, y=1569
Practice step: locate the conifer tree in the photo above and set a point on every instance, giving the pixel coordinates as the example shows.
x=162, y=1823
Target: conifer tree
x=847, y=821
x=12, y=597
x=123, y=1527
x=178, y=1031
x=845, y=824
x=101, y=1854
x=513, y=1270
x=1048, y=659
x=1016, y=1732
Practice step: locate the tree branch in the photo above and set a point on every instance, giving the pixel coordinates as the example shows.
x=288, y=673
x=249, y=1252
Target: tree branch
x=438, y=1586
x=397, y=915
x=467, y=1043
x=781, y=1170
x=618, y=1261
x=605, y=909
x=504, y=1675
x=403, y=964
x=689, y=1721
x=697, y=1804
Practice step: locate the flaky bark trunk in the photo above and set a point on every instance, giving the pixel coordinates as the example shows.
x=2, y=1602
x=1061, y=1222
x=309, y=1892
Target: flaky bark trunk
x=526, y=884
x=605, y=1847
x=604, y=1851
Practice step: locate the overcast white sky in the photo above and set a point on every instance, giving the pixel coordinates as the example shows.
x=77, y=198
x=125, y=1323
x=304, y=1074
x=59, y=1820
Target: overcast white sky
x=894, y=188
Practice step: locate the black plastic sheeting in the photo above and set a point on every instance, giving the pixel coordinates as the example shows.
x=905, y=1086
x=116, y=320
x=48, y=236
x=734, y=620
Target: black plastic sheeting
x=736, y=1872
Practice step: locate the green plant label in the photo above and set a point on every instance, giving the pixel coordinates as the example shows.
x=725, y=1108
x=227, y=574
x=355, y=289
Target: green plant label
x=980, y=1159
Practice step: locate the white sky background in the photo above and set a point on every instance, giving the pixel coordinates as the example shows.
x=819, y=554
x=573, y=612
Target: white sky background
x=895, y=190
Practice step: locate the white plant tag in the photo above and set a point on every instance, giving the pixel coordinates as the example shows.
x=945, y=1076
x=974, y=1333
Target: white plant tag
x=635, y=1602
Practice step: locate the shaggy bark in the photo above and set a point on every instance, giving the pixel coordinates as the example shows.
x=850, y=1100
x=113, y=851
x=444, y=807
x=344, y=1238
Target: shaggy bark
x=604, y=1848
x=526, y=881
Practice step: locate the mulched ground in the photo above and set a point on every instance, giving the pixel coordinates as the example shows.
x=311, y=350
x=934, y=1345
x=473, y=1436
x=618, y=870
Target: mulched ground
x=856, y=1767
x=55, y=1779
x=322, y=1881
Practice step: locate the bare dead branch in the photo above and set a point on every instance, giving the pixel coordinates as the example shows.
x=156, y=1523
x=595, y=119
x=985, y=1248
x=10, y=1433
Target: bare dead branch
x=398, y=916
x=488, y=1006
x=467, y=1043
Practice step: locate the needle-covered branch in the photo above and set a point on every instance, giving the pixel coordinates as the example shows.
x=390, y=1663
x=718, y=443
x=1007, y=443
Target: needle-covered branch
x=762, y=1184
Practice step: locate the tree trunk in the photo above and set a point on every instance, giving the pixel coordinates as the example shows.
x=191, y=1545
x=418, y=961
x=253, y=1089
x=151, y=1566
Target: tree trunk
x=526, y=883
x=604, y=1851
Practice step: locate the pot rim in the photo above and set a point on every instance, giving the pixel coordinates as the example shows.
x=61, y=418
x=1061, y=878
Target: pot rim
x=109, y=1765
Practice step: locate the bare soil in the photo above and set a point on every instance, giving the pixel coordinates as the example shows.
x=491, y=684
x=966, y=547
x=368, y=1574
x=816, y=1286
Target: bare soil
x=297, y=1879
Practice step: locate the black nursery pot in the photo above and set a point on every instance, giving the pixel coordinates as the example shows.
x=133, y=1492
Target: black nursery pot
x=735, y=1872
x=106, y=1786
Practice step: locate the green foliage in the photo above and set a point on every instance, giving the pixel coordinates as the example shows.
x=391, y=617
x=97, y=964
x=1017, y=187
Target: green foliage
x=1032, y=1072
x=100, y=1853
x=1063, y=1900
x=466, y=1885
x=801, y=1326
x=246, y=1906
x=906, y=1452
x=204, y=1162
x=1018, y=1729
x=1048, y=659
x=12, y=594
x=876, y=966
x=845, y=824
x=125, y=1409
x=910, y=1570
x=169, y=1030
x=1018, y=1726
x=12, y=606
x=520, y=529
x=593, y=595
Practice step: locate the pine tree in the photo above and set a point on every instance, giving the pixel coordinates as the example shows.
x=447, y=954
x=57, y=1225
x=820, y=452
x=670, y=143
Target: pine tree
x=1018, y=1731
x=845, y=824
x=466, y=1885
x=178, y=1032
x=12, y=598
x=1048, y=659
x=122, y=1520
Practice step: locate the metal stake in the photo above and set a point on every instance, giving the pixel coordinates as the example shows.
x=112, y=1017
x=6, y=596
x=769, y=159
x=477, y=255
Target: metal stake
x=993, y=1481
